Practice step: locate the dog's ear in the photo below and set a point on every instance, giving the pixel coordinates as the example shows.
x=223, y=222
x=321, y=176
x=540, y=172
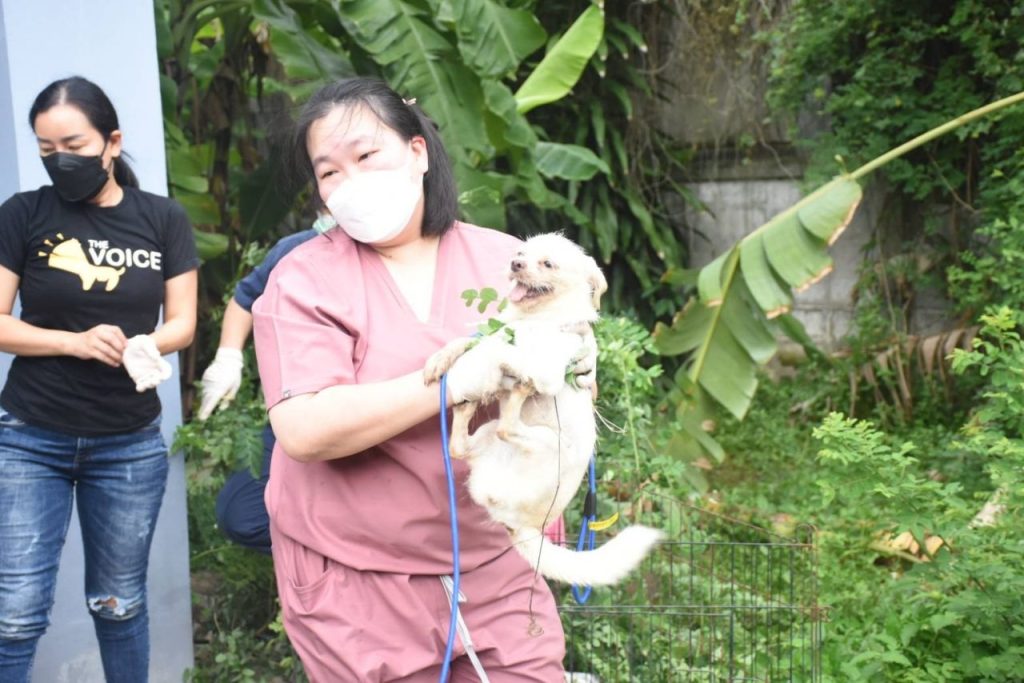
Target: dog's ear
x=598, y=284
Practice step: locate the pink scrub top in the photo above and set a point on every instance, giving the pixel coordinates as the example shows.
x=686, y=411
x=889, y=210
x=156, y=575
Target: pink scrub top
x=331, y=314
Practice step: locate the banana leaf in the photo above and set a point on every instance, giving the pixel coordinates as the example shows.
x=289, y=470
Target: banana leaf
x=563, y=65
x=727, y=327
x=421, y=63
x=493, y=40
x=303, y=57
x=506, y=127
x=265, y=198
x=210, y=245
x=571, y=162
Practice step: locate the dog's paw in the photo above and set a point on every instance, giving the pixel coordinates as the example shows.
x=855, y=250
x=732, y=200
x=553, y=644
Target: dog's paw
x=434, y=368
x=441, y=361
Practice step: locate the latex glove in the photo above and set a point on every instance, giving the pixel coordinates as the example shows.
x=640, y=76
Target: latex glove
x=144, y=363
x=221, y=381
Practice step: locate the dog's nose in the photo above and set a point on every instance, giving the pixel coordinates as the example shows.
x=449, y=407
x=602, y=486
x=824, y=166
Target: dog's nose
x=517, y=265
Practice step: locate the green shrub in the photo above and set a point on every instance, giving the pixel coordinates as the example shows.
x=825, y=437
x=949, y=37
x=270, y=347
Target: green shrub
x=956, y=614
x=236, y=616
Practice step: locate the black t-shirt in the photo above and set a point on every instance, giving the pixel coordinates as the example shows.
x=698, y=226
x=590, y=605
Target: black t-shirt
x=80, y=266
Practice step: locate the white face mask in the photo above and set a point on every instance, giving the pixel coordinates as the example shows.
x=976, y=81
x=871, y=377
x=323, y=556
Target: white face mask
x=375, y=206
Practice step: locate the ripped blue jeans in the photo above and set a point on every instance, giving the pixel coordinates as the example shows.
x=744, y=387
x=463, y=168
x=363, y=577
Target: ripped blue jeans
x=119, y=484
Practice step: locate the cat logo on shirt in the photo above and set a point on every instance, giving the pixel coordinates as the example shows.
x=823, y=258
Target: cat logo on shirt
x=69, y=256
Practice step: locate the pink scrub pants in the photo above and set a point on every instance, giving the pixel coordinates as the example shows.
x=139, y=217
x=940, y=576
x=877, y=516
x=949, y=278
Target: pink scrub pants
x=364, y=627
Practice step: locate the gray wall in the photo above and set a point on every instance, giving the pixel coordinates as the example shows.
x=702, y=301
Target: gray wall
x=746, y=169
x=715, y=100
x=113, y=43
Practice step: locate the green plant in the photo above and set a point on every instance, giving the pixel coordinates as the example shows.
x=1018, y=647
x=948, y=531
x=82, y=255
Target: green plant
x=727, y=327
x=228, y=440
x=241, y=657
x=996, y=431
x=631, y=443
x=886, y=71
x=893, y=610
x=883, y=482
x=620, y=215
x=949, y=614
x=231, y=71
x=236, y=620
x=236, y=617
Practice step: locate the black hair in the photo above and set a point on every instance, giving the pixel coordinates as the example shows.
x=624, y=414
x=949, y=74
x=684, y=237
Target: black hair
x=440, y=196
x=88, y=98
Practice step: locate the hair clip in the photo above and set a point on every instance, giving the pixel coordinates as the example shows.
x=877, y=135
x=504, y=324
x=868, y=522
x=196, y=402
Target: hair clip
x=411, y=100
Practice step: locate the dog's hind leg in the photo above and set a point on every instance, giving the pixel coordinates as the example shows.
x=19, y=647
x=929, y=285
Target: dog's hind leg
x=509, y=422
x=458, y=445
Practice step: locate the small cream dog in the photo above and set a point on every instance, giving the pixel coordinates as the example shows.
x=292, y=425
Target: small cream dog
x=526, y=466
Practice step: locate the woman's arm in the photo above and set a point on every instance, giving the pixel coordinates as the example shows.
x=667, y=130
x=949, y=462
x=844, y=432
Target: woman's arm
x=349, y=418
x=104, y=343
x=235, y=327
x=179, y=326
x=346, y=419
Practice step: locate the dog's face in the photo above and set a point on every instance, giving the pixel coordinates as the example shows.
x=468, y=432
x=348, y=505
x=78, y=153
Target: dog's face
x=554, y=275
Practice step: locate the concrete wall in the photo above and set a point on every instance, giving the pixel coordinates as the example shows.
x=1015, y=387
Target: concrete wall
x=113, y=43
x=746, y=169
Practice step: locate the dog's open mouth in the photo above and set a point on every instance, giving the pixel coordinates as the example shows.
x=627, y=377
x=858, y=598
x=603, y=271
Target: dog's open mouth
x=523, y=292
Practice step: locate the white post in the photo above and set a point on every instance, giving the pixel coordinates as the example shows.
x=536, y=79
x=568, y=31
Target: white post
x=113, y=43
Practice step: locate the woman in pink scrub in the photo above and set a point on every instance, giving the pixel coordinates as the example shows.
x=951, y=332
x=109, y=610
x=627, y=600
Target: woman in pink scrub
x=358, y=504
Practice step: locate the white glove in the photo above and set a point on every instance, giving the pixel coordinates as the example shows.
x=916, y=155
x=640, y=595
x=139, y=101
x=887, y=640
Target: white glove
x=221, y=381
x=144, y=364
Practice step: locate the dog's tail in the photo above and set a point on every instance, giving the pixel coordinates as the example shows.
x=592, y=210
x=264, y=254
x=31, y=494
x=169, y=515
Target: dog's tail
x=601, y=567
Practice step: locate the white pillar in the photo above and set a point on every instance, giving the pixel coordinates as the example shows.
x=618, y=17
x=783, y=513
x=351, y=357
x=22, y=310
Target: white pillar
x=112, y=43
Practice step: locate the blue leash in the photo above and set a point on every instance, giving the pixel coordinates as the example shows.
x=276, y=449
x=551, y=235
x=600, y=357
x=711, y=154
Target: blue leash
x=587, y=535
x=586, y=538
x=453, y=624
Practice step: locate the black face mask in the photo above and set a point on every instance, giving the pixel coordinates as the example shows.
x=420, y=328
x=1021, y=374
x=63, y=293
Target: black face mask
x=77, y=178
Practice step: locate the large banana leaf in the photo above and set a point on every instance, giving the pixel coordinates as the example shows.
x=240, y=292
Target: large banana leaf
x=483, y=203
x=728, y=327
x=421, y=63
x=493, y=40
x=562, y=66
x=571, y=162
x=186, y=178
x=265, y=198
x=303, y=57
x=210, y=245
x=506, y=127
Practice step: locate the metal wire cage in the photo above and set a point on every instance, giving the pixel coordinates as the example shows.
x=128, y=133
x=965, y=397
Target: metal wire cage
x=721, y=600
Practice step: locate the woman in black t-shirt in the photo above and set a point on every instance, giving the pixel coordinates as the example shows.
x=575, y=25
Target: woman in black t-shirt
x=93, y=259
